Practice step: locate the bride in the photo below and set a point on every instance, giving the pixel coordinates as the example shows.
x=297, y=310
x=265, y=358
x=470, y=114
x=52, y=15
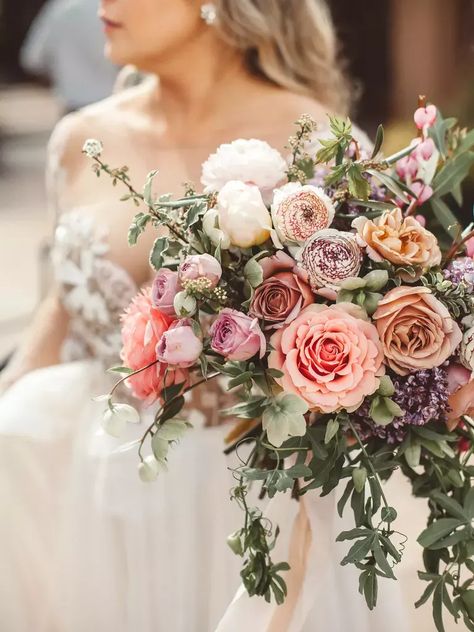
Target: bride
x=84, y=545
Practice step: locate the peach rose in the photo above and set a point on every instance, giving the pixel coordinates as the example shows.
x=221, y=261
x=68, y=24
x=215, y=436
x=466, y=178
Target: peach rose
x=330, y=356
x=142, y=327
x=416, y=329
x=402, y=241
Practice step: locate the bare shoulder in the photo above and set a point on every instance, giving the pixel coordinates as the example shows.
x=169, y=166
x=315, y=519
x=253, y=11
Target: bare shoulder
x=100, y=121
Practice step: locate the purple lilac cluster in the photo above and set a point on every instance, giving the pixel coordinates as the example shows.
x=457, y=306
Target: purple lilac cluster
x=461, y=271
x=422, y=395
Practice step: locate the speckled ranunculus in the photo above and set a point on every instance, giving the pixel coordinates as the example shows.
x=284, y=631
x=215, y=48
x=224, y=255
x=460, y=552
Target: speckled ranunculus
x=142, y=328
x=330, y=356
x=416, y=329
x=283, y=293
x=300, y=211
x=330, y=257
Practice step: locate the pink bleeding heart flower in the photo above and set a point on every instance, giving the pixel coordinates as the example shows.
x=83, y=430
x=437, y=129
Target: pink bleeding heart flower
x=470, y=247
x=422, y=192
x=426, y=148
x=407, y=167
x=425, y=117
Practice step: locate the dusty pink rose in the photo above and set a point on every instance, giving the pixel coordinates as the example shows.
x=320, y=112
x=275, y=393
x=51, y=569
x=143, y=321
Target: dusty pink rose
x=237, y=336
x=329, y=356
x=461, y=398
x=200, y=267
x=470, y=247
x=283, y=293
x=179, y=346
x=142, y=327
x=416, y=329
x=164, y=289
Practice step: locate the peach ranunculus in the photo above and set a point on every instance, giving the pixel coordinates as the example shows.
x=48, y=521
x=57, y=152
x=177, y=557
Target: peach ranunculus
x=142, y=327
x=416, y=329
x=399, y=240
x=330, y=356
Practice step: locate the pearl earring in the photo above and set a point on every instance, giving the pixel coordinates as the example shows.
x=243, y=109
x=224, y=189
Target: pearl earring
x=209, y=13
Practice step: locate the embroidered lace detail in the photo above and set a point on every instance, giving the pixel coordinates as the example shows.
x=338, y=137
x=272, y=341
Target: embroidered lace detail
x=94, y=290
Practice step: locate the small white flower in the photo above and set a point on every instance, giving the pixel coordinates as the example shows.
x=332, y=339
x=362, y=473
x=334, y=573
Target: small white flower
x=116, y=418
x=92, y=148
x=184, y=304
x=284, y=418
x=250, y=161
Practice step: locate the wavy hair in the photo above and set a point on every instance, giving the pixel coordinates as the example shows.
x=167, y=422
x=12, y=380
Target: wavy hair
x=291, y=43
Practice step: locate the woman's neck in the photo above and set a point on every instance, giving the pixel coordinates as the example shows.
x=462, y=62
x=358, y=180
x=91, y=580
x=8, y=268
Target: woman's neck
x=201, y=85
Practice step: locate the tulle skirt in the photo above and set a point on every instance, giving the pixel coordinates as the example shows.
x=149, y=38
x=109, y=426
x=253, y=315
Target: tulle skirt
x=86, y=546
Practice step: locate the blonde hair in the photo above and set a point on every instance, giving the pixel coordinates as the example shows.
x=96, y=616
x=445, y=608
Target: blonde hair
x=291, y=43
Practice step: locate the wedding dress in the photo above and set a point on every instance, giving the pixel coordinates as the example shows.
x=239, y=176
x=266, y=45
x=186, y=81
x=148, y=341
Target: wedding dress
x=86, y=546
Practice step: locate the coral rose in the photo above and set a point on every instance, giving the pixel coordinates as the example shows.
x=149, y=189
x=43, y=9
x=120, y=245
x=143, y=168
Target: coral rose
x=330, y=356
x=416, y=329
x=142, y=327
x=283, y=293
x=402, y=241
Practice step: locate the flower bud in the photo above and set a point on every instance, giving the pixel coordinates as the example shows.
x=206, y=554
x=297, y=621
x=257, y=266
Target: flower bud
x=184, y=304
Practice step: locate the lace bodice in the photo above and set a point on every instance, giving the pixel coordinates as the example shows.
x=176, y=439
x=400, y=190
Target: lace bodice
x=94, y=290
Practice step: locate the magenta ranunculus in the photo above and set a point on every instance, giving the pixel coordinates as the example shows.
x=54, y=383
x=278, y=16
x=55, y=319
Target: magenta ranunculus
x=164, y=289
x=237, y=336
x=179, y=346
x=283, y=293
x=200, y=267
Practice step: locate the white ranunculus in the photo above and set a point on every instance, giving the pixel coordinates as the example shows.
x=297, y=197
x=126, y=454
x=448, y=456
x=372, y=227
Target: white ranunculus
x=466, y=350
x=250, y=161
x=210, y=226
x=242, y=214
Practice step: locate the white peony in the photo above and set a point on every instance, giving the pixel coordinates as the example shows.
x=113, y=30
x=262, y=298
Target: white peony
x=250, y=161
x=242, y=215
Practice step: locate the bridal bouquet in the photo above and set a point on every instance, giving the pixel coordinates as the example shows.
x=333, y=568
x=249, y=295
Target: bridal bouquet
x=323, y=288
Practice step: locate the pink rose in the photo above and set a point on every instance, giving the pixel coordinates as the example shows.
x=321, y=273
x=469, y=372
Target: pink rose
x=142, y=327
x=179, y=346
x=164, y=289
x=416, y=329
x=329, y=356
x=237, y=336
x=283, y=293
x=200, y=267
x=470, y=247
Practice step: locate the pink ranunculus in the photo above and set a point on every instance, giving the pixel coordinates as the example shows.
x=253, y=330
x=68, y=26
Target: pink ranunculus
x=200, y=267
x=330, y=356
x=236, y=336
x=461, y=398
x=164, y=289
x=425, y=116
x=179, y=346
x=416, y=329
x=142, y=327
x=283, y=293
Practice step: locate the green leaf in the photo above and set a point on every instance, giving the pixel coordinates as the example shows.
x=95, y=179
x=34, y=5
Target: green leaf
x=390, y=184
x=160, y=448
x=469, y=504
x=413, y=454
x=426, y=594
x=388, y=514
x=120, y=369
x=345, y=497
x=137, y=227
x=239, y=379
x=371, y=589
x=158, y=252
x=381, y=560
x=450, y=505
x=331, y=430
x=445, y=216
x=147, y=189
x=359, y=186
x=438, y=607
x=437, y=530
x=451, y=540
x=452, y=173
x=378, y=141
x=359, y=550
x=172, y=409
x=172, y=430
x=468, y=600
x=466, y=143
x=253, y=273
